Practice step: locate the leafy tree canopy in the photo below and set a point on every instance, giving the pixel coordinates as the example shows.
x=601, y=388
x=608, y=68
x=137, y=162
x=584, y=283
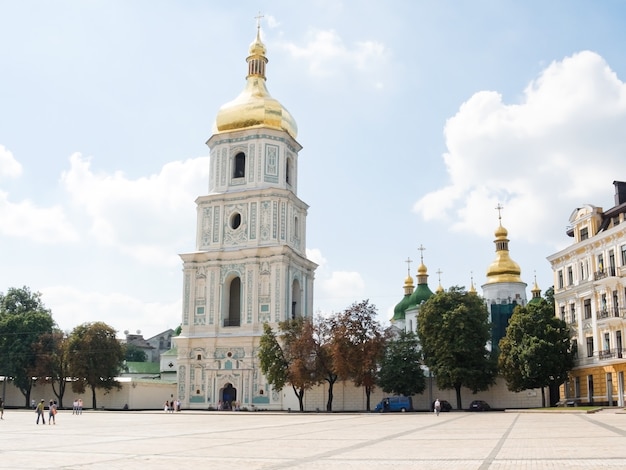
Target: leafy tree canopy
x=537, y=351
x=96, y=357
x=132, y=353
x=400, y=368
x=358, y=345
x=292, y=358
x=23, y=320
x=454, y=329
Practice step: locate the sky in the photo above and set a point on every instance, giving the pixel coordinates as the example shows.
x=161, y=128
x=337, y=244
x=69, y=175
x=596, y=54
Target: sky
x=417, y=118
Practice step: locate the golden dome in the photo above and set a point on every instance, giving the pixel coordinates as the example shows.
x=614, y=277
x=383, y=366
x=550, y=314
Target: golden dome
x=503, y=269
x=254, y=107
x=421, y=269
x=408, y=281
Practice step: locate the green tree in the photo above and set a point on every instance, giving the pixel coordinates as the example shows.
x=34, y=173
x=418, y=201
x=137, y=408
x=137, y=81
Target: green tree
x=96, y=357
x=454, y=329
x=290, y=359
x=401, y=370
x=357, y=346
x=53, y=361
x=23, y=319
x=132, y=353
x=537, y=351
x=323, y=335
x=549, y=296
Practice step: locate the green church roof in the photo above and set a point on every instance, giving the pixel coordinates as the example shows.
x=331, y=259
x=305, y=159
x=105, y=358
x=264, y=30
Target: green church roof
x=421, y=294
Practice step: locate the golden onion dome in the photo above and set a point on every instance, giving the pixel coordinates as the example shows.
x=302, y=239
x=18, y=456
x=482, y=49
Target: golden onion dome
x=421, y=269
x=255, y=107
x=503, y=268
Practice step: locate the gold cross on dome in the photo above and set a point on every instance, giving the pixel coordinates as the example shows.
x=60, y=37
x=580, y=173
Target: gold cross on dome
x=408, y=262
x=421, y=248
x=258, y=20
x=499, y=208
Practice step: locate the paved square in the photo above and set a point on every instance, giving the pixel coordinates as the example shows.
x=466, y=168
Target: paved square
x=267, y=440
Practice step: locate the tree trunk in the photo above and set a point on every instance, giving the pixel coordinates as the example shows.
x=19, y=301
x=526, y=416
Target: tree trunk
x=368, y=392
x=300, y=394
x=543, y=397
x=93, y=397
x=59, y=394
x=459, y=405
x=329, y=403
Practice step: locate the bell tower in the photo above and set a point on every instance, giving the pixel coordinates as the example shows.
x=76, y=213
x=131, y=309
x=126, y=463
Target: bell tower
x=249, y=266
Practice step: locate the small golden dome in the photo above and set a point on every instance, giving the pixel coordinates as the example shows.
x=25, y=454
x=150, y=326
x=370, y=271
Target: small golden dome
x=408, y=281
x=255, y=107
x=421, y=269
x=503, y=269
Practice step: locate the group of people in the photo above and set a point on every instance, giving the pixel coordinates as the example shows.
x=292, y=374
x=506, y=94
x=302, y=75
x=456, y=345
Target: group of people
x=40, y=409
x=171, y=406
x=230, y=406
x=77, y=406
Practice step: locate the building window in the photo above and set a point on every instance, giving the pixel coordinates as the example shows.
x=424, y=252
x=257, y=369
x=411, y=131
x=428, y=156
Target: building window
x=600, y=262
x=288, y=171
x=572, y=312
x=587, y=309
x=611, y=263
x=239, y=170
x=589, y=346
x=623, y=255
x=234, y=303
x=615, y=304
x=570, y=276
x=560, y=279
x=562, y=309
x=584, y=233
x=607, y=342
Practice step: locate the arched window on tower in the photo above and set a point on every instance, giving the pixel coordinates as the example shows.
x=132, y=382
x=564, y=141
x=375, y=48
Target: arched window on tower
x=296, y=300
x=288, y=171
x=239, y=170
x=234, y=303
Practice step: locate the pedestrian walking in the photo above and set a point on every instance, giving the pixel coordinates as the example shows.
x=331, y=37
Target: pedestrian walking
x=41, y=408
x=52, y=411
x=437, y=406
x=1, y=408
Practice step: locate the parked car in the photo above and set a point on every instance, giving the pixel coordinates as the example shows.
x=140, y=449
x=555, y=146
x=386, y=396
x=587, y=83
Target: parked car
x=394, y=404
x=479, y=405
x=444, y=405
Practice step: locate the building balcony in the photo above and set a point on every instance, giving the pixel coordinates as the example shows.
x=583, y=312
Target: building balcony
x=610, y=312
x=615, y=353
x=604, y=273
x=232, y=322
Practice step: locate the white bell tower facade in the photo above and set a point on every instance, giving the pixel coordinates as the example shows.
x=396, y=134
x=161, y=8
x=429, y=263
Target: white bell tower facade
x=249, y=266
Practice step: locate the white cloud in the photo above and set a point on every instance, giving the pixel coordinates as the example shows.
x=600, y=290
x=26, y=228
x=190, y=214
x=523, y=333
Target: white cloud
x=71, y=307
x=24, y=219
x=9, y=166
x=43, y=225
x=561, y=146
x=327, y=55
x=139, y=217
x=339, y=288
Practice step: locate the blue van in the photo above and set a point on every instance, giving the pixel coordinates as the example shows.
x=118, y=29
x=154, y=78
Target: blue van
x=395, y=404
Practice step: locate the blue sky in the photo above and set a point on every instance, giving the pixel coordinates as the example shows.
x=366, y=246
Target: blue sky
x=416, y=117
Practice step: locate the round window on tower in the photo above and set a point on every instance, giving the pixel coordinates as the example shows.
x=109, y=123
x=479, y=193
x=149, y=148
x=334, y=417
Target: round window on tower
x=235, y=220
